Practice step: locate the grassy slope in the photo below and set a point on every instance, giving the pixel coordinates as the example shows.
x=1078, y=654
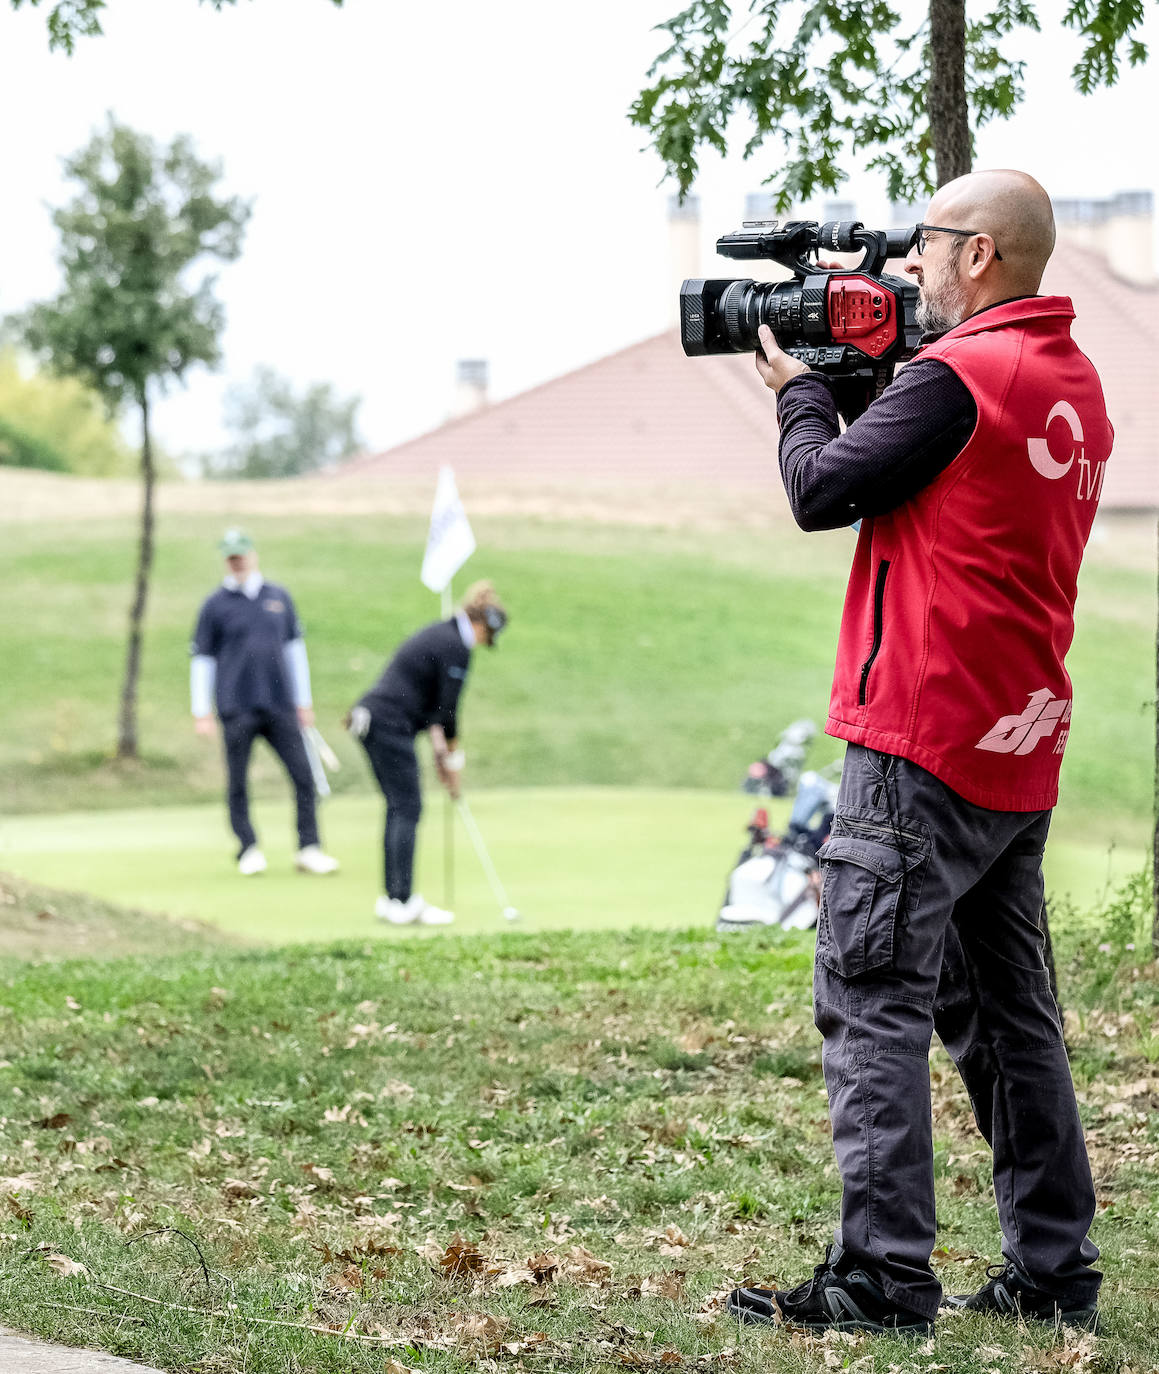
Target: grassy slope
x=323, y=1121
x=47, y=923
x=635, y=656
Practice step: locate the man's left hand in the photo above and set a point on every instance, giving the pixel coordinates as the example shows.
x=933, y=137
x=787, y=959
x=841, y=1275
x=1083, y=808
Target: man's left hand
x=775, y=366
x=305, y=716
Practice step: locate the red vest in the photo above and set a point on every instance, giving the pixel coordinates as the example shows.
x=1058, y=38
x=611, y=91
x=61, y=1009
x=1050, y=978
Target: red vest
x=960, y=606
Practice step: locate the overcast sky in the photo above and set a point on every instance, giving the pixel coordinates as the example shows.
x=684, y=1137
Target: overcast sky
x=439, y=181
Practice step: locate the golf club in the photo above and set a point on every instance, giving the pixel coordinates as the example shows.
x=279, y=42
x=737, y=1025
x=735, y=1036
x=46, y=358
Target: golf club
x=509, y=912
x=325, y=753
x=310, y=739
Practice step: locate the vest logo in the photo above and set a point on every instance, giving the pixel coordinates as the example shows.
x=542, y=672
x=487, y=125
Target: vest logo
x=274, y=605
x=1039, y=449
x=1020, y=734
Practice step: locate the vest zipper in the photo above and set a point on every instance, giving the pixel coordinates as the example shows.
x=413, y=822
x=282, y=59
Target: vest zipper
x=878, y=607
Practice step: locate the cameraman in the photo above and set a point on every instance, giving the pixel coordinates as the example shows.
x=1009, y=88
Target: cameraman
x=976, y=477
x=420, y=690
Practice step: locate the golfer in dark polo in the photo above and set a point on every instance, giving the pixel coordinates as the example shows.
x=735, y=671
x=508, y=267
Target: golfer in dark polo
x=420, y=690
x=250, y=658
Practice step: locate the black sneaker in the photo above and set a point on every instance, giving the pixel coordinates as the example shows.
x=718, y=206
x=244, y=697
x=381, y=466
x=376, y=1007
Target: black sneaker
x=830, y=1301
x=1009, y=1293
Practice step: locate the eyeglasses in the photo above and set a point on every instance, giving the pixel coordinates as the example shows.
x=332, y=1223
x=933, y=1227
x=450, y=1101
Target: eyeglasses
x=921, y=230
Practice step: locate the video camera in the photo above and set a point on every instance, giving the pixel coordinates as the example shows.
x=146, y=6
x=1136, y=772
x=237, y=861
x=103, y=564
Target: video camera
x=849, y=322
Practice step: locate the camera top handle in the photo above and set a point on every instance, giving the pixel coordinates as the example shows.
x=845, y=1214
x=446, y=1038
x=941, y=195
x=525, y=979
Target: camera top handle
x=789, y=243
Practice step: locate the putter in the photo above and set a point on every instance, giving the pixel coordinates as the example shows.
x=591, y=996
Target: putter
x=509, y=912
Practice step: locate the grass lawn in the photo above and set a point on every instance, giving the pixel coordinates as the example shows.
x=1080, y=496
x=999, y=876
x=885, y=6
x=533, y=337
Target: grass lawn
x=520, y=1152
x=636, y=657
x=593, y=857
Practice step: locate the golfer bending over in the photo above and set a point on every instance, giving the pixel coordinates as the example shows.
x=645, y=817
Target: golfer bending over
x=249, y=655
x=420, y=690
x=976, y=476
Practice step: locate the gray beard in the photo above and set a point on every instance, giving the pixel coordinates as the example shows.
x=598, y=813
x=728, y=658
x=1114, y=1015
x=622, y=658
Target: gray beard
x=934, y=318
x=938, y=313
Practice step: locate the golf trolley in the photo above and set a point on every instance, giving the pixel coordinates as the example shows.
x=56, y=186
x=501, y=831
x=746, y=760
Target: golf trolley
x=777, y=881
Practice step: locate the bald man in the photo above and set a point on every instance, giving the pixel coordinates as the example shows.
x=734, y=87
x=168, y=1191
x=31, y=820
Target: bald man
x=975, y=477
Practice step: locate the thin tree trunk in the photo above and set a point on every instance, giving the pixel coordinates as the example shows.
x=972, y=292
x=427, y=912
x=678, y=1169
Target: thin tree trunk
x=946, y=91
x=127, y=729
x=1155, y=838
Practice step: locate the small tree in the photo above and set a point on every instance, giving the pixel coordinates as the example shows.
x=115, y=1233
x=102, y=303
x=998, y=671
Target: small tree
x=69, y=20
x=129, y=320
x=279, y=432
x=841, y=79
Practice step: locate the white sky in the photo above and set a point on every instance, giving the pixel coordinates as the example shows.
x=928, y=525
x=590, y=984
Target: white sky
x=433, y=182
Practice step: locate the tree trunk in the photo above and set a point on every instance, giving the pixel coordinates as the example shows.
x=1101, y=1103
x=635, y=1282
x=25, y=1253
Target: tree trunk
x=1155, y=839
x=946, y=91
x=127, y=729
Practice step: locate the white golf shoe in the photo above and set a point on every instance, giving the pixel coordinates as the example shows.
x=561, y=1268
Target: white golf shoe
x=414, y=911
x=314, y=859
x=251, y=861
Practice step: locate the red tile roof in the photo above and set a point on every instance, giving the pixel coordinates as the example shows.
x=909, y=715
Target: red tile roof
x=648, y=414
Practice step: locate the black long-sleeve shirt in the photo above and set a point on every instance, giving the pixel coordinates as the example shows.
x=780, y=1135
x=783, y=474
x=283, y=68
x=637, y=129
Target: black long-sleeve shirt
x=915, y=430
x=421, y=684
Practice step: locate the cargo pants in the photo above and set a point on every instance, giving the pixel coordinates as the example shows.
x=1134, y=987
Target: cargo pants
x=929, y=920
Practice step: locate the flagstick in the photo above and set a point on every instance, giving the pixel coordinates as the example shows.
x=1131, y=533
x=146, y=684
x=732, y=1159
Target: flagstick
x=448, y=813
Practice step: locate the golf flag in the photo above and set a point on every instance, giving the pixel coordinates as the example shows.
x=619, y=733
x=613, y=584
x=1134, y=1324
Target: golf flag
x=450, y=541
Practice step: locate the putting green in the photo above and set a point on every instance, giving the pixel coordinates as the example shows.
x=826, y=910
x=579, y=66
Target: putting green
x=586, y=857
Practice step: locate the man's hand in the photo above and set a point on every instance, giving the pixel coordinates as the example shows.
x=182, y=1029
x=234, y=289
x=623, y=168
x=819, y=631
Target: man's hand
x=775, y=366
x=205, y=726
x=452, y=782
x=305, y=716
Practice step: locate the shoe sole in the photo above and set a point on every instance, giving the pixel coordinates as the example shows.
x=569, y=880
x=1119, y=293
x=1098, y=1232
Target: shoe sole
x=745, y=1314
x=1084, y=1318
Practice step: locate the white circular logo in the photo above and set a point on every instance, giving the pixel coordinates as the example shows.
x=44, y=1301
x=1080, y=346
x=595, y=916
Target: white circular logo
x=1039, y=449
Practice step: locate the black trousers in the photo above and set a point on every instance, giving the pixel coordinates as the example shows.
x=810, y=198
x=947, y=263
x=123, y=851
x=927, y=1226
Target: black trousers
x=284, y=734
x=930, y=919
x=392, y=757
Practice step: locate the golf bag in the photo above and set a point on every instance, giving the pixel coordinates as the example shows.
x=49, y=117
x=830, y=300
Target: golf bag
x=779, y=771
x=776, y=880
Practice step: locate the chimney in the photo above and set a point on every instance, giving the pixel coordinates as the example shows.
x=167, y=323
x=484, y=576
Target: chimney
x=470, y=386
x=1119, y=229
x=1129, y=241
x=683, y=248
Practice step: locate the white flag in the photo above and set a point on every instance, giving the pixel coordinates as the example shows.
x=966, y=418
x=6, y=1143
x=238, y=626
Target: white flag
x=450, y=541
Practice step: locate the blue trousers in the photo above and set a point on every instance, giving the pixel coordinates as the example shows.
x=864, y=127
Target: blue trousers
x=284, y=735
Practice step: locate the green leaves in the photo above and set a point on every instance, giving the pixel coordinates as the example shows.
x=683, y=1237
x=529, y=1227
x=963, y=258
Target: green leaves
x=143, y=219
x=844, y=82
x=69, y=20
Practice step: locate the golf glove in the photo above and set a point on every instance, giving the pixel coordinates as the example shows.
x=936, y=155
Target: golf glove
x=359, y=722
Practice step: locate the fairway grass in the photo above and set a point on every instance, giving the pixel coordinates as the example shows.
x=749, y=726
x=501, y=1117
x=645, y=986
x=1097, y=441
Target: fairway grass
x=584, y=858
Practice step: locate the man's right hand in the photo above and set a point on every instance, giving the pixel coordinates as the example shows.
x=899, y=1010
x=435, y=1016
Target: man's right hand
x=205, y=726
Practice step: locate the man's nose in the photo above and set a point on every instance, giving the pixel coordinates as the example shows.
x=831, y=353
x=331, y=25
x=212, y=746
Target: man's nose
x=913, y=261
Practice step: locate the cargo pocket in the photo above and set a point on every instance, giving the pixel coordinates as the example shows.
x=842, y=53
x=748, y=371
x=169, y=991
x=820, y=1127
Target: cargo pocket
x=860, y=894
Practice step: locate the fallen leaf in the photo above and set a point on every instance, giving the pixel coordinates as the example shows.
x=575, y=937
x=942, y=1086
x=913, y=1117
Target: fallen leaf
x=461, y=1257
x=53, y=1123
x=543, y=1266
x=238, y=1187
x=65, y=1267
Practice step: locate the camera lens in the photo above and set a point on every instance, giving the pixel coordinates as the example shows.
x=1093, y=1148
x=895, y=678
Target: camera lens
x=745, y=305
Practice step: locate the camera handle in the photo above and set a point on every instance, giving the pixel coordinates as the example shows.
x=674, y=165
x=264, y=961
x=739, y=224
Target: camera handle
x=873, y=241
